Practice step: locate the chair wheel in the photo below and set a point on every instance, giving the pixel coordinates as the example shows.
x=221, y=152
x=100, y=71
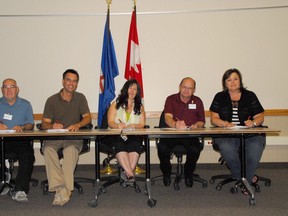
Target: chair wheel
x=176, y=187
x=45, y=191
x=35, y=184
x=137, y=189
x=219, y=187
x=212, y=181
x=268, y=184
x=80, y=190
x=252, y=201
x=234, y=190
x=257, y=188
x=151, y=203
x=93, y=203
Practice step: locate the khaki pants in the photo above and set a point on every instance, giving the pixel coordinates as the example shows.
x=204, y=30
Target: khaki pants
x=58, y=174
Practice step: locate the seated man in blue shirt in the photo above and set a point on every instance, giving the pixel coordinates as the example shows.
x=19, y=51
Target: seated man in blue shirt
x=16, y=114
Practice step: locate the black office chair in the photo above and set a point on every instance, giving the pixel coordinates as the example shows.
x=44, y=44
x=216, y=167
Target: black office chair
x=227, y=178
x=107, y=149
x=12, y=159
x=178, y=151
x=77, y=180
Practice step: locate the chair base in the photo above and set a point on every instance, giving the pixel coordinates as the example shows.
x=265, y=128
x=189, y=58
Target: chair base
x=227, y=178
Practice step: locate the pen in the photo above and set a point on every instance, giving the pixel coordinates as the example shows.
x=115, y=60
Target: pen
x=1, y=122
x=120, y=121
x=249, y=117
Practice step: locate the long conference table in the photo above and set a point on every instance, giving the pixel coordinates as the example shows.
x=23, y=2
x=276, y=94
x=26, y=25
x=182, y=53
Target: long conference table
x=148, y=134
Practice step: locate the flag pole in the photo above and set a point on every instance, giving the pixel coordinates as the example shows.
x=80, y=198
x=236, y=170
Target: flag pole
x=108, y=169
x=109, y=2
x=134, y=4
x=138, y=169
x=135, y=10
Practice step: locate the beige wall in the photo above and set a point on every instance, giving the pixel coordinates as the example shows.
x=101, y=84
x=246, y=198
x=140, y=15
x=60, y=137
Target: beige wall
x=178, y=38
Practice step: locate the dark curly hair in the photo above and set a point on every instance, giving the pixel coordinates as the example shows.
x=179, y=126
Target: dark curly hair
x=122, y=99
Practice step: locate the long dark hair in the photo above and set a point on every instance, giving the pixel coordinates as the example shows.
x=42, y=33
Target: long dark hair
x=122, y=99
x=227, y=74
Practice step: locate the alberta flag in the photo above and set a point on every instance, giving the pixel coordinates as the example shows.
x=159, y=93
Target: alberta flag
x=109, y=70
x=133, y=68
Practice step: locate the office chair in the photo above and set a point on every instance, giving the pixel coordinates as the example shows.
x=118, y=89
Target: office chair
x=77, y=180
x=107, y=149
x=178, y=151
x=227, y=178
x=12, y=159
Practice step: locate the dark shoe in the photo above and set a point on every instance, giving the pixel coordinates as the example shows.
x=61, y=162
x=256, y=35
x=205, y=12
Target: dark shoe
x=166, y=180
x=255, y=180
x=189, y=182
x=244, y=190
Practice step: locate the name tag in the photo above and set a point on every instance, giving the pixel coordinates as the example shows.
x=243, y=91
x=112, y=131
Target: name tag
x=192, y=106
x=7, y=117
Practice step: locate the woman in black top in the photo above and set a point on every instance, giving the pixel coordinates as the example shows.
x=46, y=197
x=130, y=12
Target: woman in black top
x=237, y=106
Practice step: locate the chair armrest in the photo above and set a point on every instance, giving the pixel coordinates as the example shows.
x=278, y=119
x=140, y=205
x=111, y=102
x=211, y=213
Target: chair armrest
x=88, y=126
x=39, y=126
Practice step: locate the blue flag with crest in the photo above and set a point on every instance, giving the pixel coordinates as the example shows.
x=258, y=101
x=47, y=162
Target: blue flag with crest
x=109, y=70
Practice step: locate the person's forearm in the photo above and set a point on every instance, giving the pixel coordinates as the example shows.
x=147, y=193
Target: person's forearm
x=28, y=126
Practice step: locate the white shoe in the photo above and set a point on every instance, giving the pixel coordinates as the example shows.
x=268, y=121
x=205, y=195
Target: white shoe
x=20, y=196
x=62, y=196
x=5, y=191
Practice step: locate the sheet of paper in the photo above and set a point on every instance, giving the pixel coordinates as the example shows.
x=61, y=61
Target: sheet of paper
x=128, y=129
x=7, y=131
x=56, y=130
x=188, y=128
x=238, y=127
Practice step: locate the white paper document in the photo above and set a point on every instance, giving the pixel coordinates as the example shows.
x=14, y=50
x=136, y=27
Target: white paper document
x=168, y=128
x=7, y=131
x=57, y=130
x=238, y=127
x=128, y=129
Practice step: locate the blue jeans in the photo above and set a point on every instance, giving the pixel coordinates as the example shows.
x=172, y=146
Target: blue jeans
x=231, y=152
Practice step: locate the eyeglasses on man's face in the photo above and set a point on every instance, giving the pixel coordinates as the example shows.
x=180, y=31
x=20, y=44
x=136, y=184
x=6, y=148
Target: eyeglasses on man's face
x=6, y=87
x=187, y=88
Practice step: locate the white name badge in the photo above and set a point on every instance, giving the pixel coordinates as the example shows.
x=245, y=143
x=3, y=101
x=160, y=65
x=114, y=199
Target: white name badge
x=7, y=117
x=192, y=106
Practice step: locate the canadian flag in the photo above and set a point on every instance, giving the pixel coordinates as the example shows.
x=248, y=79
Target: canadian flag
x=133, y=68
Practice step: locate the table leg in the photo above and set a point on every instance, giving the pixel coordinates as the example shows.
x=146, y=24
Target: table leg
x=151, y=202
x=94, y=202
x=3, y=184
x=244, y=181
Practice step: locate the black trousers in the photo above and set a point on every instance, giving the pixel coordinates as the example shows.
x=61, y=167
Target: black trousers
x=193, y=149
x=25, y=156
